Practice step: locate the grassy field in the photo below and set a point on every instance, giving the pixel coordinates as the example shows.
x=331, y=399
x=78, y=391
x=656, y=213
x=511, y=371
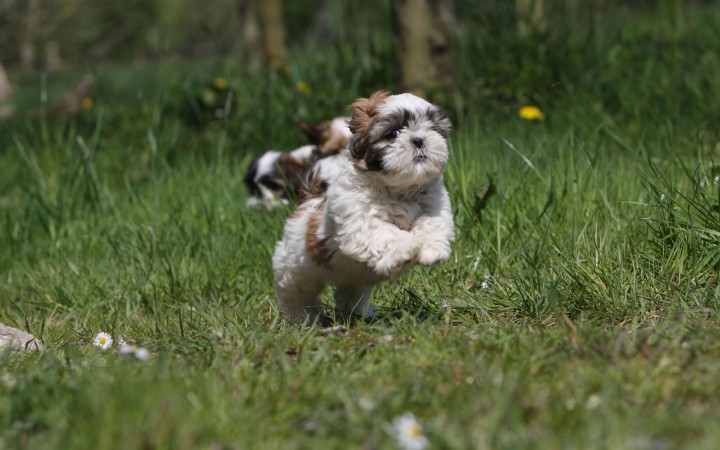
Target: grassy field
x=579, y=308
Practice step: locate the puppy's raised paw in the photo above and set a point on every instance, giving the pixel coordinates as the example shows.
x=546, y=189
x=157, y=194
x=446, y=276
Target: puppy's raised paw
x=394, y=263
x=432, y=253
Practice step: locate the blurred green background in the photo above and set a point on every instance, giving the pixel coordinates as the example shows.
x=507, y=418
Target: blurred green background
x=629, y=58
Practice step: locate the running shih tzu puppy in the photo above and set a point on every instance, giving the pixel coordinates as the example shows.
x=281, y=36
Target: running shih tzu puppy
x=371, y=213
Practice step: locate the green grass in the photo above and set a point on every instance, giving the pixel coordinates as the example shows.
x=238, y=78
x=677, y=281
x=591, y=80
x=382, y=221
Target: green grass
x=598, y=327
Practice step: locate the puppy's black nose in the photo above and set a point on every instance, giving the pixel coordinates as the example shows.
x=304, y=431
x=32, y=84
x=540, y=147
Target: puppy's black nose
x=417, y=142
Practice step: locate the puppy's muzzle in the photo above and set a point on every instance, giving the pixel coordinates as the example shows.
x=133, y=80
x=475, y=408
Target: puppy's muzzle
x=419, y=153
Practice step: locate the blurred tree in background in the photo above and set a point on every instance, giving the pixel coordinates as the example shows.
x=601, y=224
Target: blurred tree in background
x=47, y=34
x=44, y=33
x=41, y=34
x=493, y=54
x=273, y=30
x=6, y=91
x=423, y=44
x=6, y=88
x=530, y=16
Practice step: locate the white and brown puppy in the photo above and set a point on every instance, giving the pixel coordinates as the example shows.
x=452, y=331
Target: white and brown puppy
x=331, y=136
x=369, y=214
x=275, y=177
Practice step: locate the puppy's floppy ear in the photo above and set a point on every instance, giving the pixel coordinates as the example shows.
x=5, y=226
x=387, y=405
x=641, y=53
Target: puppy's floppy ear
x=364, y=111
x=313, y=185
x=314, y=133
x=441, y=123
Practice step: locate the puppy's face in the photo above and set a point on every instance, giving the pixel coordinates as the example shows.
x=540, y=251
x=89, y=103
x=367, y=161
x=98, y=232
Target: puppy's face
x=399, y=139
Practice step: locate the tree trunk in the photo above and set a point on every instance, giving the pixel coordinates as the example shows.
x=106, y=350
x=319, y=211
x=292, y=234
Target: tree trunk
x=442, y=50
x=27, y=44
x=273, y=31
x=53, y=60
x=423, y=44
x=322, y=32
x=598, y=7
x=6, y=89
x=530, y=18
x=598, y=10
x=252, y=46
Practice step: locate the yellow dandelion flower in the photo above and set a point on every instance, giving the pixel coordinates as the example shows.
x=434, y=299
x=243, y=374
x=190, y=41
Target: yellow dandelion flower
x=220, y=83
x=87, y=103
x=303, y=87
x=531, y=113
x=1, y=346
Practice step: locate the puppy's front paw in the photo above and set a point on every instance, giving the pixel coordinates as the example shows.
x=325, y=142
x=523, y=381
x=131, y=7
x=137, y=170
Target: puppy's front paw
x=396, y=261
x=432, y=253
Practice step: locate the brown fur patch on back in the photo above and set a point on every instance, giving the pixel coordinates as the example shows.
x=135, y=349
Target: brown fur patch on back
x=316, y=247
x=299, y=211
x=290, y=168
x=292, y=171
x=364, y=111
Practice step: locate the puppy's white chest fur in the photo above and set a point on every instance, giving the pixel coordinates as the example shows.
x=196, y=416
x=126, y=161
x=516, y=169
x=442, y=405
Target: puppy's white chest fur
x=401, y=214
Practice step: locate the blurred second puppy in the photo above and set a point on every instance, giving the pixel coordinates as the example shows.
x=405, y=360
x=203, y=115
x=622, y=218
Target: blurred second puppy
x=275, y=177
x=331, y=136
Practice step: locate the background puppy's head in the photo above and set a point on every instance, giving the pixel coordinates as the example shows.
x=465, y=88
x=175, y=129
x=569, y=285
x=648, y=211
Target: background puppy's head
x=330, y=136
x=399, y=139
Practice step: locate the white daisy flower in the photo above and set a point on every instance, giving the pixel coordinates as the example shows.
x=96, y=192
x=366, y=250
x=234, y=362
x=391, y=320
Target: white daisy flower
x=125, y=349
x=103, y=340
x=593, y=402
x=408, y=432
x=142, y=354
x=486, y=284
x=129, y=350
x=366, y=403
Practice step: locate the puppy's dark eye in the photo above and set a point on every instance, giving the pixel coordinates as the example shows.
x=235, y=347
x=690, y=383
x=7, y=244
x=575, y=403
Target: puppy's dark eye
x=392, y=135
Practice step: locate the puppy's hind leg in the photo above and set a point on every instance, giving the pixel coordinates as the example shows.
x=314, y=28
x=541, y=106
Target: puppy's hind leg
x=353, y=300
x=298, y=297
